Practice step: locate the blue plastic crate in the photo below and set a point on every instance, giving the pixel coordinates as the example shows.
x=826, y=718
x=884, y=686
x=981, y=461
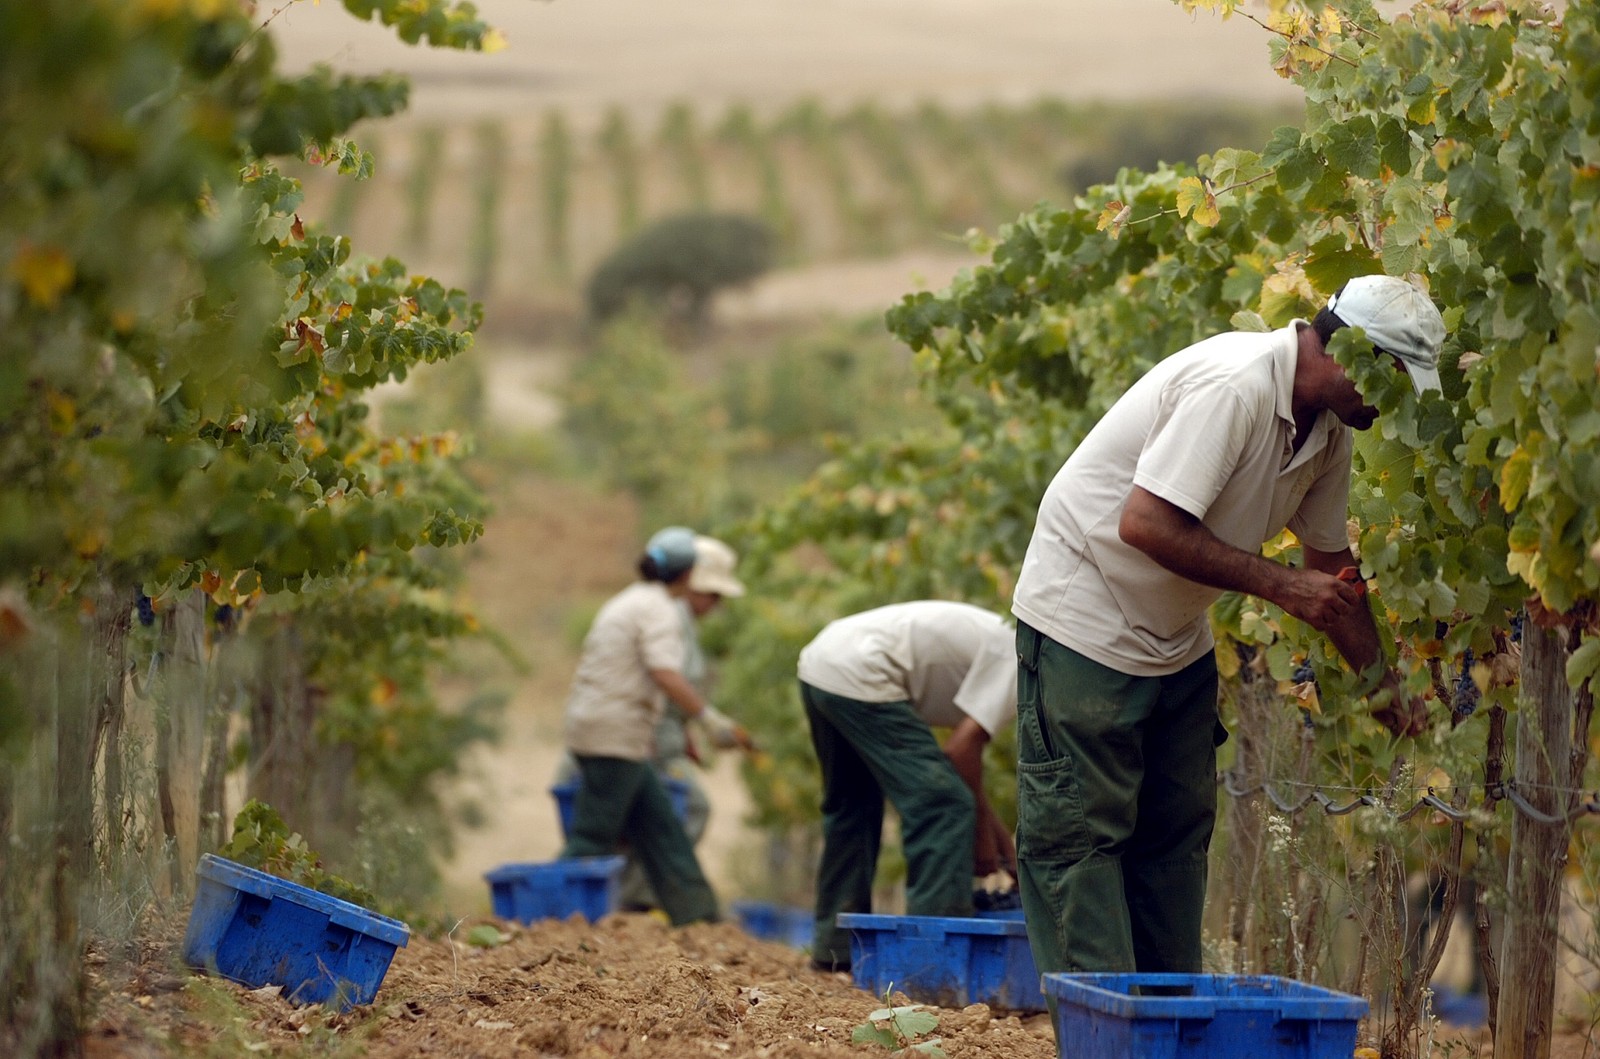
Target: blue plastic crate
x=258, y=929
x=1001, y=913
x=789, y=924
x=1201, y=1016
x=566, y=796
x=555, y=889
x=951, y=962
x=1461, y=1009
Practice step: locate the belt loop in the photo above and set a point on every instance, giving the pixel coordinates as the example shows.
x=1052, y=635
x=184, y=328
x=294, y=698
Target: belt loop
x=1029, y=641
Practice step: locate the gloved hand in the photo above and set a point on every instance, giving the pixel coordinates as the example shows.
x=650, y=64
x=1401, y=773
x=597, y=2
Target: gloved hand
x=996, y=892
x=724, y=731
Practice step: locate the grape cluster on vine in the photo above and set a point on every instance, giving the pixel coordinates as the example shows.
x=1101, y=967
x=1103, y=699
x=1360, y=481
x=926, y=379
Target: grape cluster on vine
x=1465, y=696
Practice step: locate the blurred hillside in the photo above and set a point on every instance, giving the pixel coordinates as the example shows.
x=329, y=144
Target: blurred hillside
x=586, y=56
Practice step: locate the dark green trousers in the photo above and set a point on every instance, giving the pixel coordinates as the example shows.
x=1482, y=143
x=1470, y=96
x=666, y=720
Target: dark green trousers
x=869, y=751
x=621, y=800
x=1116, y=799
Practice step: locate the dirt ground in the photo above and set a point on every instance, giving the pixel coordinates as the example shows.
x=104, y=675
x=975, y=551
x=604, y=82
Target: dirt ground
x=628, y=985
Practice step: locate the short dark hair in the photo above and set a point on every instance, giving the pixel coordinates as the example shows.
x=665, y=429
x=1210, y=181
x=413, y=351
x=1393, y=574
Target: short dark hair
x=1326, y=323
x=651, y=569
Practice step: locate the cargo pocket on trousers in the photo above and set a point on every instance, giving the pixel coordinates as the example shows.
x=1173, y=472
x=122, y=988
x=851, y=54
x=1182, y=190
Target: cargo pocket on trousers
x=1050, y=823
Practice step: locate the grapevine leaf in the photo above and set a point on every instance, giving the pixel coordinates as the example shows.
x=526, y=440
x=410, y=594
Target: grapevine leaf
x=1584, y=663
x=1195, y=199
x=1114, y=217
x=1245, y=320
x=1515, y=476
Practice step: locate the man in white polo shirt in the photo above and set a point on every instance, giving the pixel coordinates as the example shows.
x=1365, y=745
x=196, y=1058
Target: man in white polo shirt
x=1164, y=506
x=874, y=684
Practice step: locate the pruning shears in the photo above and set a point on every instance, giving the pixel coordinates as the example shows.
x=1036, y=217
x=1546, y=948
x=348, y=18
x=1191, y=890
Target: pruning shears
x=1351, y=575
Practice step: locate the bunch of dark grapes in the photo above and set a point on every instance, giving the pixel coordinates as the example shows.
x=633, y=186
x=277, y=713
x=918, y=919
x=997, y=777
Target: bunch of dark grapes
x=146, y=608
x=1465, y=698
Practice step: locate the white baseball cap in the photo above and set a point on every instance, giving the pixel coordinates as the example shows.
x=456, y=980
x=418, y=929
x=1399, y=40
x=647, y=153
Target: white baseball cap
x=1400, y=320
x=713, y=568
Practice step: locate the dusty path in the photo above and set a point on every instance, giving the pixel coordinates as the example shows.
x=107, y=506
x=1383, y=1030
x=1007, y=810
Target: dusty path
x=552, y=552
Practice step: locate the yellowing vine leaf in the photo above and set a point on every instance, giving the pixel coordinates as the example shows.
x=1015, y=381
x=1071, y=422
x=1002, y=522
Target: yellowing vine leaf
x=1489, y=14
x=1306, y=694
x=1285, y=291
x=1526, y=565
x=1195, y=198
x=1114, y=217
x=1515, y=476
x=45, y=273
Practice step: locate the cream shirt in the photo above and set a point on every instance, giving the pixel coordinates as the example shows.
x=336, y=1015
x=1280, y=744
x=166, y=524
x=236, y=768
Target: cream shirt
x=948, y=660
x=1211, y=430
x=614, y=704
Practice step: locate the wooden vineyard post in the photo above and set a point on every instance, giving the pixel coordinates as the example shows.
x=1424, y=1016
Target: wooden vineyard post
x=282, y=732
x=1538, y=848
x=181, y=709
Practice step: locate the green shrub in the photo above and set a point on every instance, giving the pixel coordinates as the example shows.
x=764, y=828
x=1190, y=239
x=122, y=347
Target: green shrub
x=680, y=262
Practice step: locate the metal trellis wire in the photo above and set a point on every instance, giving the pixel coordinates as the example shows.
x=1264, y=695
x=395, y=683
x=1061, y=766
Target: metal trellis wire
x=1584, y=803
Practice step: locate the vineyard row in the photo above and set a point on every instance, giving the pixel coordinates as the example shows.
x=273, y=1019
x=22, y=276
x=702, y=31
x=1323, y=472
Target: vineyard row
x=504, y=205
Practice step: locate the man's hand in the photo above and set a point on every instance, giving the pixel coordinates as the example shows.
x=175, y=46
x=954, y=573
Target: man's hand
x=1318, y=599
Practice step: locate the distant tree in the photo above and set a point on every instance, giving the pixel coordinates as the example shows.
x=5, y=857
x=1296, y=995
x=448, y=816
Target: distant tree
x=680, y=262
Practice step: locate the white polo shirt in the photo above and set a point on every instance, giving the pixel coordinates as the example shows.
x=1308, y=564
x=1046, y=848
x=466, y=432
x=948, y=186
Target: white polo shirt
x=948, y=660
x=1211, y=430
x=614, y=703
